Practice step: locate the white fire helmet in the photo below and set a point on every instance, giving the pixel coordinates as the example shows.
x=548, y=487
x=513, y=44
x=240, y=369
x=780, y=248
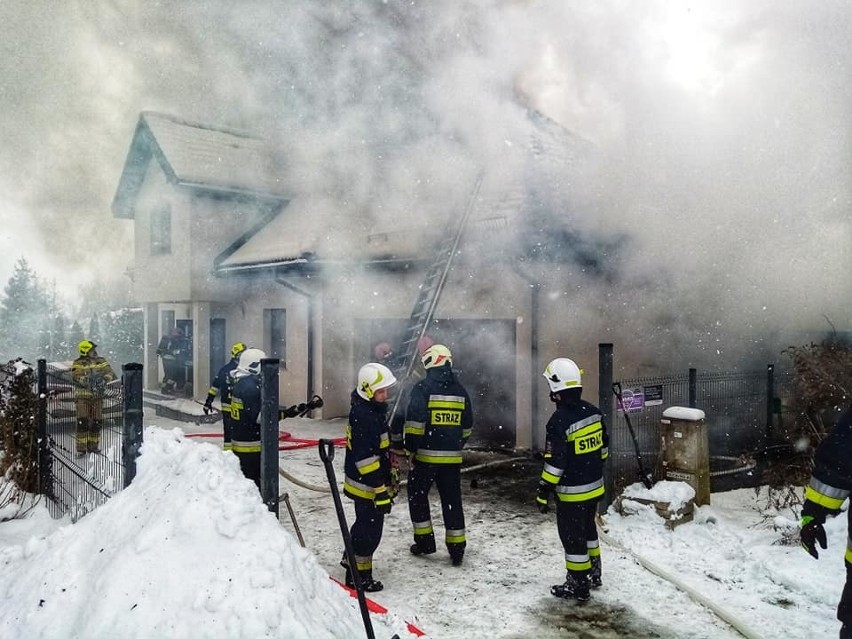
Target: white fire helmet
x=562, y=373
x=436, y=355
x=249, y=363
x=373, y=377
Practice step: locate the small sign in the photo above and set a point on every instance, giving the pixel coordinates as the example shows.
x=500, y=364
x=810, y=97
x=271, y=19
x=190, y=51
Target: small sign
x=654, y=395
x=632, y=400
x=677, y=476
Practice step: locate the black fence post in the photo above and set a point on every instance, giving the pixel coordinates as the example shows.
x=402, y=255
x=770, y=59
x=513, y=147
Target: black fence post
x=45, y=486
x=770, y=401
x=269, y=433
x=693, y=387
x=605, y=403
x=131, y=380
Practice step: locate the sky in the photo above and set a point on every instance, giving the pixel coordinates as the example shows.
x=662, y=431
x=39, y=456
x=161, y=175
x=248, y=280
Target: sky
x=188, y=550
x=715, y=190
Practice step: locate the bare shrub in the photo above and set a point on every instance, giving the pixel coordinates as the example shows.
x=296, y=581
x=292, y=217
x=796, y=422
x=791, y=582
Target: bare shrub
x=19, y=478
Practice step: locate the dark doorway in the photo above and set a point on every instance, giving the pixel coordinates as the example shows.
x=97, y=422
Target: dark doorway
x=484, y=359
x=218, y=346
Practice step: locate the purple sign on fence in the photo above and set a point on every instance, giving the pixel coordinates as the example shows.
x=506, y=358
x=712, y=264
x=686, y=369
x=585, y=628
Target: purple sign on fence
x=632, y=399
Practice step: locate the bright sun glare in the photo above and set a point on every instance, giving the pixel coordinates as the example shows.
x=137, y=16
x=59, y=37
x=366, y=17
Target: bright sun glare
x=691, y=51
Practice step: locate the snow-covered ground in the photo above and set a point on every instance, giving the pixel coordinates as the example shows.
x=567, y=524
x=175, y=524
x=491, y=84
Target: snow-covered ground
x=190, y=551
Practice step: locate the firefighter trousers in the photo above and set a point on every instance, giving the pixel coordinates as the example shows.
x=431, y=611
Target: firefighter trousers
x=250, y=465
x=575, y=521
x=366, y=533
x=447, y=478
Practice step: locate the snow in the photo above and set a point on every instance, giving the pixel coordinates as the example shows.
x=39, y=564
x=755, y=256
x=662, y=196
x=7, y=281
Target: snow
x=189, y=550
x=684, y=413
x=677, y=493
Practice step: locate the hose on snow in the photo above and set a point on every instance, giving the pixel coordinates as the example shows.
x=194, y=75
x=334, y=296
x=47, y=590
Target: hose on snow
x=723, y=614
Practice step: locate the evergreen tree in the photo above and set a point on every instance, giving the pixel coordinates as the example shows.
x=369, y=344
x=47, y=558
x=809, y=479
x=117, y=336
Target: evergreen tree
x=123, y=336
x=60, y=348
x=22, y=314
x=94, y=329
x=75, y=336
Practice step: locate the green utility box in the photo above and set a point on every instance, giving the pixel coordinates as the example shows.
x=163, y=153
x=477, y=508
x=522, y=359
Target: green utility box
x=686, y=450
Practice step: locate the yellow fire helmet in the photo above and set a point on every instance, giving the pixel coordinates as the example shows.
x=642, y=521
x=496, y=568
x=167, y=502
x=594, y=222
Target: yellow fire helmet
x=85, y=346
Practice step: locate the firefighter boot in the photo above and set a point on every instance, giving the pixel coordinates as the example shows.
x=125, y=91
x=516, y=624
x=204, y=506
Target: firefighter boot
x=82, y=436
x=94, y=443
x=576, y=586
x=595, y=573
x=368, y=584
x=423, y=544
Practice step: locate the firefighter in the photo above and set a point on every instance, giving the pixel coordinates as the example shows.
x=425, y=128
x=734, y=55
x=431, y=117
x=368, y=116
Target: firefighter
x=575, y=449
x=221, y=385
x=90, y=373
x=828, y=488
x=174, y=349
x=367, y=469
x=245, y=413
x=438, y=423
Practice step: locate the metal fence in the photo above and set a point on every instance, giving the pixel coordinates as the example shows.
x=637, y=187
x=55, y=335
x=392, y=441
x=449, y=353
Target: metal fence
x=739, y=408
x=88, y=448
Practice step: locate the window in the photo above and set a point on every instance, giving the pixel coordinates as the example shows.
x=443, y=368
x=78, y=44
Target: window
x=161, y=230
x=275, y=332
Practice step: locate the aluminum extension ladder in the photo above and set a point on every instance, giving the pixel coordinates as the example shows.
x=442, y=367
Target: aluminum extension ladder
x=427, y=300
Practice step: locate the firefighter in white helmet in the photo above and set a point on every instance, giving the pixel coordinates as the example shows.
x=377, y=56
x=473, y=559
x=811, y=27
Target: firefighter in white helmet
x=575, y=449
x=367, y=469
x=438, y=423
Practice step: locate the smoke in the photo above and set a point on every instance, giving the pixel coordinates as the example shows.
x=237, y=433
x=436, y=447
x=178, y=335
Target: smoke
x=709, y=216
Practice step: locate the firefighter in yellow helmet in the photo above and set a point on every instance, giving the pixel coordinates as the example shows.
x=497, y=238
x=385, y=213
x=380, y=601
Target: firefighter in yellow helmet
x=438, y=423
x=221, y=386
x=90, y=373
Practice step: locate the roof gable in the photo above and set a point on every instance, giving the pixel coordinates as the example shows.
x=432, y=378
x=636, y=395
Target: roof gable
x=198, y=156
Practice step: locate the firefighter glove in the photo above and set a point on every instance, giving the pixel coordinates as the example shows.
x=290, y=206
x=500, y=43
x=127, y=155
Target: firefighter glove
x=208, y=405
x=813, y=532
x=541, y=497
x=382, y=501
x=395, y=479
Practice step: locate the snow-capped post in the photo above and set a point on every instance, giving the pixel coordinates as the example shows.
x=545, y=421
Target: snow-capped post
x=44, y=474
x=269, y=433
x=693, y=387
x=131, y=381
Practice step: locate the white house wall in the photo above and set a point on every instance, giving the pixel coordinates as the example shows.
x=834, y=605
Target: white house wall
x=158, y=278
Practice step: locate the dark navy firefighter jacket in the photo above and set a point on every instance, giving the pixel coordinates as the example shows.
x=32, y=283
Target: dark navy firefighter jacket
x=439, y=419
x=575, y=449
x=367, y=463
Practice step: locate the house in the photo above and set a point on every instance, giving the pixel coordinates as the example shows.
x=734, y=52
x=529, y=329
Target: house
x=224, y=249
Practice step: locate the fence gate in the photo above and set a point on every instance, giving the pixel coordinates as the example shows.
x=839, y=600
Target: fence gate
x=77, y=482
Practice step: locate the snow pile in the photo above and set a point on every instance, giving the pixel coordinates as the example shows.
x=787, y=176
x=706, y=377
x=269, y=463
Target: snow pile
x=675, y=493
x=188, y=550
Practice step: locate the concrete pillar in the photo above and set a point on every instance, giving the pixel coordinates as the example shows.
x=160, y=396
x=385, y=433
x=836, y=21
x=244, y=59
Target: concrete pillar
x=201, y=349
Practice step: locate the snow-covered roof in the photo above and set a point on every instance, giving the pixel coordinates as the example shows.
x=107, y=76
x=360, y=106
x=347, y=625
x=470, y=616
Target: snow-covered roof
x=199, y=156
